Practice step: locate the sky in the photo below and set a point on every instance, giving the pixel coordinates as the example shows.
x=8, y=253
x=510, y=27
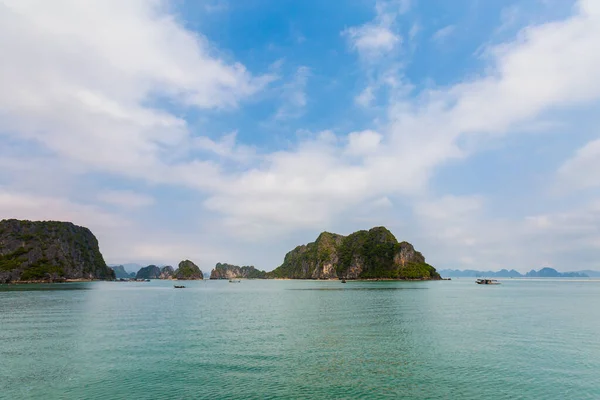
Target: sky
x=233, y=131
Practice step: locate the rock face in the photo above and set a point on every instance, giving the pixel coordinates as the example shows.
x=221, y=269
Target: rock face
x=188, y=271
x=49, y=250
x=552, y=273
x=120, y=272
x=167, y=272
x=149, y=272
x=373, y=254
x=228, y=271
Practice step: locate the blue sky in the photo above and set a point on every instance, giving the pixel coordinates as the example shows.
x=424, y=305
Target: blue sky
x=225, y=131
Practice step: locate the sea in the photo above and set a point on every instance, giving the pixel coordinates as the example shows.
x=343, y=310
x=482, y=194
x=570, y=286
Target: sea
x=259, y=339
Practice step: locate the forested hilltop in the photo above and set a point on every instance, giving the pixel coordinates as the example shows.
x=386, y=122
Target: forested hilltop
x=229, y=271
x=49, y=251
x=372, y=254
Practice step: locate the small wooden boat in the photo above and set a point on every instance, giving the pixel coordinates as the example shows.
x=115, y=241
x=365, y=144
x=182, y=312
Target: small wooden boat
x=179, y=287
x=487, y=282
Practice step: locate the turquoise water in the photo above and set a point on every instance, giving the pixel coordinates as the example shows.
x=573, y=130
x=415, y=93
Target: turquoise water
x=524, y=339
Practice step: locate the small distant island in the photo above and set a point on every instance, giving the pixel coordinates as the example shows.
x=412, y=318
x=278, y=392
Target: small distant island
x=372, y=254
x=228, y=271
x=49, y=251
x=504, y=273
x=121, y=273
x=187, y=270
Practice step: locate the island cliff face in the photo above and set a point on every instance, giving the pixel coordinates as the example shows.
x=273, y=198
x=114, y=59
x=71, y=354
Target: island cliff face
x=120, y=272
x=49, y=250
x=373, y=254
x=228, y=271
x=167, y=272
x=149, y=272
x=188, y=271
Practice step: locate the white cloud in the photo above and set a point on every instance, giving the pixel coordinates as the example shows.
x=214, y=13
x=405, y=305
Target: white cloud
x=226, y=148
x=442, y=34
x=125, y=198
x=372, y=40
x=22, y=205
x=214, y=6
x=79, y=78
x=378, y=37
x=581, y=171
x=450, y=208
x=366, y=97
x=414, y=30
x=293, y=96
x=551, y=65
x=462, y=233
x=365, y=142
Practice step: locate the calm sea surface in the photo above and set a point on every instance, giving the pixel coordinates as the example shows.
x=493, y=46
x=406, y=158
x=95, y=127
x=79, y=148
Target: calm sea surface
x=524, y=339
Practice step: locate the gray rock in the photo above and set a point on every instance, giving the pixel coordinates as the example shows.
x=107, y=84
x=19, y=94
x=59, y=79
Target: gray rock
x=167, y=272
x=188, y=271
x=149, y=272
x=49, y=251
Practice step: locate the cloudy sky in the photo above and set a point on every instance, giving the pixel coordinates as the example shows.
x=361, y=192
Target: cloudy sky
x=232, y=131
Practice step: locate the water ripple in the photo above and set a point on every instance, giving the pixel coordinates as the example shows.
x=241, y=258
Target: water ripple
x=300, y=340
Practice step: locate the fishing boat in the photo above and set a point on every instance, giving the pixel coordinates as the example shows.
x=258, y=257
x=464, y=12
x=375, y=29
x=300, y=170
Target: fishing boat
x=234, y=281
x=179, y=287
x=484, y=281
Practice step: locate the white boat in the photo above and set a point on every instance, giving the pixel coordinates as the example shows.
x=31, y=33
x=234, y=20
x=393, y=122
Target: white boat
x=483, y=281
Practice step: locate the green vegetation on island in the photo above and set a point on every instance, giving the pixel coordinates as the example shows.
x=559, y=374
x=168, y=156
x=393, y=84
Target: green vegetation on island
x=166, y=272
x=188, y=271
x=121, y=273
x=372, y=254
x=49, y=251
x=149, y=272
x=228, y=271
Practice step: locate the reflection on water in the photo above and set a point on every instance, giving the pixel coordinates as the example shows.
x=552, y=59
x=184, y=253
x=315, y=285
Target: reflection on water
x=36, y=287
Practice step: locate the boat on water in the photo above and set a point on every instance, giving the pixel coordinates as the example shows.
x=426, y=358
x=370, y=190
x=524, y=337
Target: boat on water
x=235, y=281
x=484, y=281
x=343, y=281
x=179, y=286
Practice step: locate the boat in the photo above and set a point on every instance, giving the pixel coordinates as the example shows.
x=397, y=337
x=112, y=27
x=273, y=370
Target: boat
x=179, y=287
x=343, y=281
x=234, y=281
x=484, y=281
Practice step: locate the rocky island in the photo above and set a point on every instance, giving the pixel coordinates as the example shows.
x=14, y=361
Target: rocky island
x=121, y=273
x=49, y=251
x=188, y=271
x=166, y=272
x=372, y=254
x=149, y=272
x=228, y=271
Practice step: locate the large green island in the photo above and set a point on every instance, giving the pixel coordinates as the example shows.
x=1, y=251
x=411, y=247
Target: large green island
x=49, y=251
x=372, y=254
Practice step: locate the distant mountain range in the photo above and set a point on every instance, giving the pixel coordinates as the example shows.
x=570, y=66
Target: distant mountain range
x=131, y=267
x=504, y=273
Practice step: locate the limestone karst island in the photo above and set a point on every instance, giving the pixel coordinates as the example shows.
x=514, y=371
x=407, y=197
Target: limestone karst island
x=50, y=251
